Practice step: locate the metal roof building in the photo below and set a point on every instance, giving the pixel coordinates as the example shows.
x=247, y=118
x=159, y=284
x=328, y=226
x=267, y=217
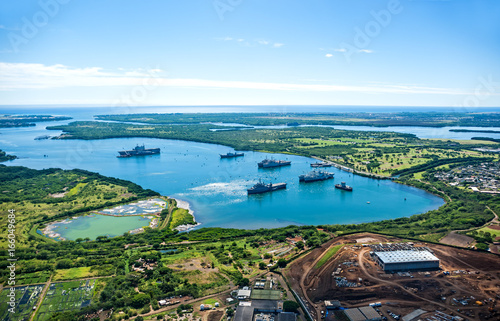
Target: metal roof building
x=405, y=260
x=362, y=314
x=354, y=315
x=369, y=313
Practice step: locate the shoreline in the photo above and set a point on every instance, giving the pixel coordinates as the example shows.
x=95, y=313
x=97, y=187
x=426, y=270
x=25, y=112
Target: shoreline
x=185, y=205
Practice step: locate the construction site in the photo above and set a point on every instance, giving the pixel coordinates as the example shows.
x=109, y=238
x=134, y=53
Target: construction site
x=399, y=279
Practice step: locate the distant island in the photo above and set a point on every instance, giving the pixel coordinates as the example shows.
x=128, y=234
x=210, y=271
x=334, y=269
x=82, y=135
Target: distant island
x=435, y=119
x=5, y=157
x=7, y=121
x=475, y=131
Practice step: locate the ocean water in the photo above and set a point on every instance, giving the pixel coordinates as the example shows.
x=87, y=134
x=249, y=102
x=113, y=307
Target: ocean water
x=216, y=188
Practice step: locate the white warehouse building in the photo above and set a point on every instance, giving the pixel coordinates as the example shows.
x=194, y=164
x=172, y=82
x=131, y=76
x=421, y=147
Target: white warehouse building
x=406, y=260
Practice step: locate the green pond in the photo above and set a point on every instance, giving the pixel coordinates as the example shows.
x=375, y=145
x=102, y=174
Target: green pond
x=92, y=226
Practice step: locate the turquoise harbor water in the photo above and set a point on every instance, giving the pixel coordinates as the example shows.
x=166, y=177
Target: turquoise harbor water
x=216, y=188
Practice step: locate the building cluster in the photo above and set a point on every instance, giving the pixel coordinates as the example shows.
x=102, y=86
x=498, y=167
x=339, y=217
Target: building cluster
x=482, y=177
x=144, y=265
x=261, y=303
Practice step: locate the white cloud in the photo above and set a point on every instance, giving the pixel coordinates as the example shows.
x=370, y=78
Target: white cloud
x=15, y=76
x=366, y=51
x=252, y=43
x=340, y=50
x=328, y=55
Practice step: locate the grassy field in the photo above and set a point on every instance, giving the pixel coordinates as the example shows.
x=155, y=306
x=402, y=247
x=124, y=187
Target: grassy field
x=331, y=252
x=74, y=273
x=494, y=232
x=265, y=294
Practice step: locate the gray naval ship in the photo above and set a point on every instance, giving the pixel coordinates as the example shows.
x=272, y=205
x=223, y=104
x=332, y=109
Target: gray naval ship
x=264, y=188
x=231, y=155
x=315, y=176
x=267, y=163
x=138, y=151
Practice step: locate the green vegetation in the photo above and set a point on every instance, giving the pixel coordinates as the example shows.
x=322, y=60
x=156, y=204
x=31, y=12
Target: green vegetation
x=26, y=120
x=328, y=255
x=5, y=157
x=290, y=306
x=23, y=308
x=359, y=118
x=46, y=195
x=77, y=273
x=181, y=216
x=138, y=270
x=65, y=296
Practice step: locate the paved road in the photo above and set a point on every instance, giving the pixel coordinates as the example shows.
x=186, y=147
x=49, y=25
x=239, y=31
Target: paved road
x=40, y=300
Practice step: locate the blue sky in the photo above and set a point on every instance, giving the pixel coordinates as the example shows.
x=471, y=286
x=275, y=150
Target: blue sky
x=251, y=52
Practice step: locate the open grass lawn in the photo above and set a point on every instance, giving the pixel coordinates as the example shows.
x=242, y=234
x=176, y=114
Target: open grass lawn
x=75, y=190
x=434, y=237
x=494, y=232
x=265, y=294
x=331, y=252
x=74, y=273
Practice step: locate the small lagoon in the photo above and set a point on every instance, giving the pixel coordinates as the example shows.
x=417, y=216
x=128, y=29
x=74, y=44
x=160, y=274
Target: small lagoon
x=94, y=225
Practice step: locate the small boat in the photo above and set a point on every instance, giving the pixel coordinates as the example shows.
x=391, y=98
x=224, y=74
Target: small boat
x=42, y=137
x=321, y=164
x=344, y=187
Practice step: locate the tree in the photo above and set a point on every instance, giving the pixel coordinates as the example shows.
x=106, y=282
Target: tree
x=139, y=300
x=300, y=245
x=243, y=282
x=282, y=263
x=262, y=265
x=290, y=306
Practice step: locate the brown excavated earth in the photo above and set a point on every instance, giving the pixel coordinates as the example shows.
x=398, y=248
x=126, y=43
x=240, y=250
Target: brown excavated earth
x=472, y=274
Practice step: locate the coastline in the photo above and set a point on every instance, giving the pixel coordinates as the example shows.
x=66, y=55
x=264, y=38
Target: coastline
x=185, y=205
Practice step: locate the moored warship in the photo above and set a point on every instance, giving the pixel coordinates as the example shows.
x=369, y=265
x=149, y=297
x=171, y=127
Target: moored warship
x=231, y=155
x=266, y=163
x=315, y=176
x=138, y=151
x=264, y=188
